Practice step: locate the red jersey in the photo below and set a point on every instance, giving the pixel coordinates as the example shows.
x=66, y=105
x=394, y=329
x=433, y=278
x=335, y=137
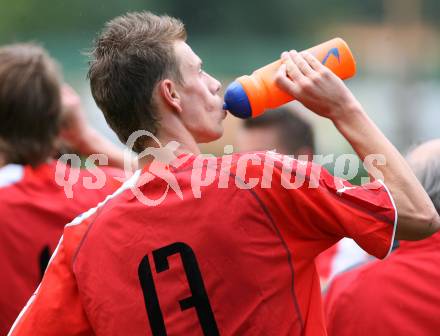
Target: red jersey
x=397, y=296
x=34, y=210
x=226, y=257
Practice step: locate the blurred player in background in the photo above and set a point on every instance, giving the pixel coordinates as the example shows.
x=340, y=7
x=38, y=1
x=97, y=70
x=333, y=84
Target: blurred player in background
x=399, y=295
x=33, y=208
x=231, y=260
x=287, y=132
x=282, y=130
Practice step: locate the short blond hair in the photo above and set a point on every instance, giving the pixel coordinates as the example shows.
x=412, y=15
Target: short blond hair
x=132, y=54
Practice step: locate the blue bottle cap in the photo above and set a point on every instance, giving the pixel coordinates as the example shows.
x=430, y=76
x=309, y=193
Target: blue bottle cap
x=236, y=101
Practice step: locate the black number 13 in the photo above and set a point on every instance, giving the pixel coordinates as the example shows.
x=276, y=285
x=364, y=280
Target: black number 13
x=199, y=299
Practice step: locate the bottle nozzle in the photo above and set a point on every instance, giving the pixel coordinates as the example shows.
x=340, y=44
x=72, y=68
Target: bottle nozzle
x=236, y=101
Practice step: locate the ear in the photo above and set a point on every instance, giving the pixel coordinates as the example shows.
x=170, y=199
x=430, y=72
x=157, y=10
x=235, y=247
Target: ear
x=170, y=95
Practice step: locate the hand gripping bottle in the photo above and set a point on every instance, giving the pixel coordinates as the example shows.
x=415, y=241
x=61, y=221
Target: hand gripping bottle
x=249, y=96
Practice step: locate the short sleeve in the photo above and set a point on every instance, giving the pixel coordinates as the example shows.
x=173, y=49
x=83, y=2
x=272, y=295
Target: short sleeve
x=365, y=213
x=321, y=209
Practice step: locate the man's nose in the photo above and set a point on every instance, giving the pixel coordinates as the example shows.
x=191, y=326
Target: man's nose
x=216, y=85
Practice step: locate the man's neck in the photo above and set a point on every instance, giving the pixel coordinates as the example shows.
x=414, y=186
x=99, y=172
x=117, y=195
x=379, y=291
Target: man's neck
x=174, y=132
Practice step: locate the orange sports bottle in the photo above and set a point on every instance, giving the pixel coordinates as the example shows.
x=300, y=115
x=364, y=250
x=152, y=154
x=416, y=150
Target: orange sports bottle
x=249, y=96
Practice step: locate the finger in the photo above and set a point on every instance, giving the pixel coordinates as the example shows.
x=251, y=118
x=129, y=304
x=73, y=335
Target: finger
x=301, y=63
x=291, y=68
x=313, y=61
x=284, y=82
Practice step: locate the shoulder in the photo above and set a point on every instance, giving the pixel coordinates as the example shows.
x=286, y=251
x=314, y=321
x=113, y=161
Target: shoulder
x=267, y=162
x=76, y=230
x=86, y=185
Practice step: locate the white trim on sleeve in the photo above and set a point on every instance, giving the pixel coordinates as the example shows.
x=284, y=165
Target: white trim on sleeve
x=395, y=216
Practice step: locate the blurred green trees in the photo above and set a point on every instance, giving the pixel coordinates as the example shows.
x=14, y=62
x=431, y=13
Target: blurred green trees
x=232, y=36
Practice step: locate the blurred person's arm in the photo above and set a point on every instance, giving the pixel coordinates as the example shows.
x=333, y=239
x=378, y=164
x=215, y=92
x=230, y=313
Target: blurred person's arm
x=318, y=89
x=82, y=137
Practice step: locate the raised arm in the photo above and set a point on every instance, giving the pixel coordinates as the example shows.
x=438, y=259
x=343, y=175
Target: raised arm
x=81, y=136
x=318, y=89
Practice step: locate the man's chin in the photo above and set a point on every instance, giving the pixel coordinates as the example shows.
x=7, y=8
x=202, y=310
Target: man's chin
x=212, y=136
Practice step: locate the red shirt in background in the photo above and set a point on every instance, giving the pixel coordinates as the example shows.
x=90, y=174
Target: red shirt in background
x=232, y=262
x=397, y=296
x=33, y=212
